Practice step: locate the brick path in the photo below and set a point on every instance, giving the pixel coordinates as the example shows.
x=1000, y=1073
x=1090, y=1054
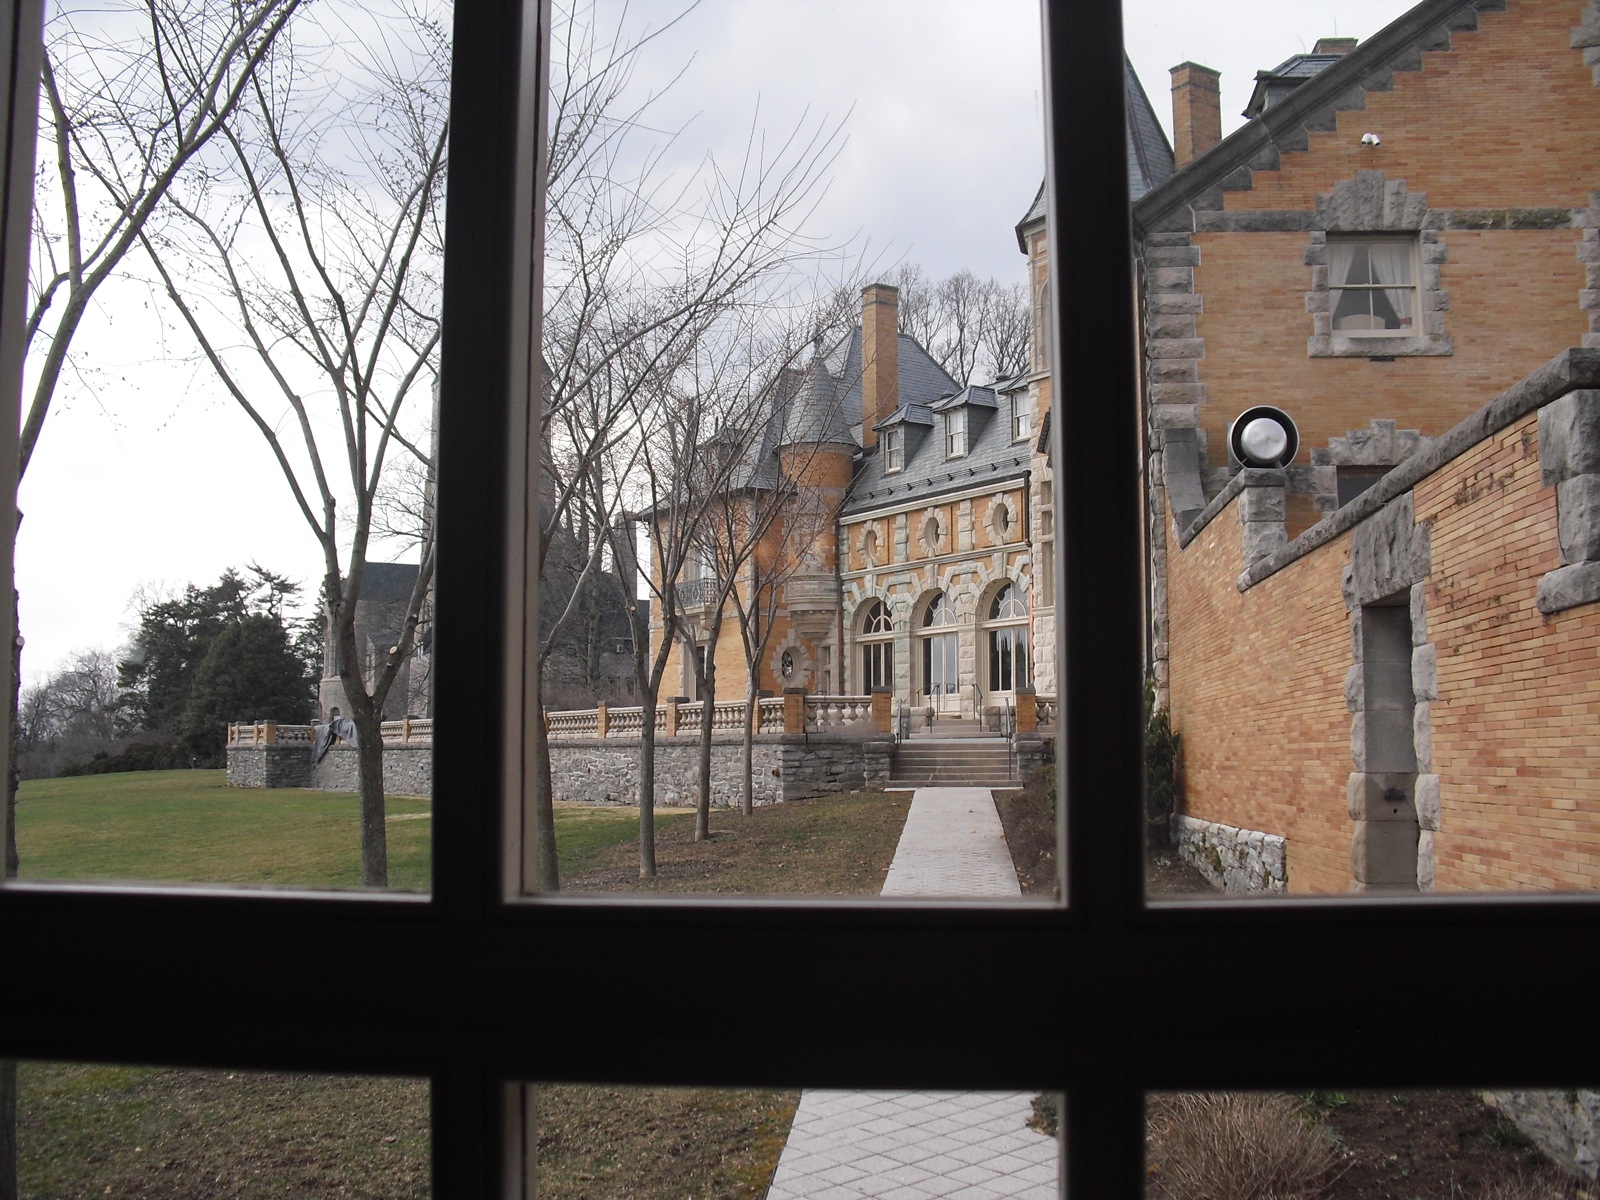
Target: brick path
x=920, y=1145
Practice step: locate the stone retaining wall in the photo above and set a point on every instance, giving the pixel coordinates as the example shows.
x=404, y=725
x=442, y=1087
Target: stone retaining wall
x=1237, y=860
x=786, y=767
x=1565, y=1125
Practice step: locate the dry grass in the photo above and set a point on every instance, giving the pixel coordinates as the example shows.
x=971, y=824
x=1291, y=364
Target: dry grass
x=1237, y=1146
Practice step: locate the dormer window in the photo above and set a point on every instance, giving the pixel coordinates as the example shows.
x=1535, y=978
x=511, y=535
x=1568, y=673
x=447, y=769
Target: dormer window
x=955, y=433
x=1021, y=415
x=894, y=450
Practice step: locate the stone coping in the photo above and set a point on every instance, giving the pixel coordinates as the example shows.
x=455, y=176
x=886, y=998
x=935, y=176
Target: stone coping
x=1570, y=371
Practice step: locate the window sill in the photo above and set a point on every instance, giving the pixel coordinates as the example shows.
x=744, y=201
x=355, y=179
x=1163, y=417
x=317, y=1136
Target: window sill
x=1344, y=345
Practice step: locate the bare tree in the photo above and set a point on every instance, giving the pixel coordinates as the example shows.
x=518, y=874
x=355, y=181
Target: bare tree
x=307, y=269
x=647, y=272
x=975, y=329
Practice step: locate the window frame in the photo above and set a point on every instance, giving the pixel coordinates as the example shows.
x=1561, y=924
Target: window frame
x=1336, y=290
x=1021, y=414
x=955, y=431
x=1334, y=994
x=894, y=450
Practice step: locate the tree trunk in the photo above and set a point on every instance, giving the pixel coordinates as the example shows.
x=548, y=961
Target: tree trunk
x=544, y=814
x=13, y=861
x=369, y=768
x=708, y=707
x=647, y=787
x=747, y=797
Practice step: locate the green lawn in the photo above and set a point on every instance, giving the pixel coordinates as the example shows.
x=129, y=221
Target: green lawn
x=190, y=827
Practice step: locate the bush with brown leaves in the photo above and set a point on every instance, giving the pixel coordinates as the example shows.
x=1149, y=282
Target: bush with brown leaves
x=1237, y=1146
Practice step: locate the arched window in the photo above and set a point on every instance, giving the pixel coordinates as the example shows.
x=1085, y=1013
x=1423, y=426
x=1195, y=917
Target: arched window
x=1008, y=639
x=877, y=647
x=940, y=648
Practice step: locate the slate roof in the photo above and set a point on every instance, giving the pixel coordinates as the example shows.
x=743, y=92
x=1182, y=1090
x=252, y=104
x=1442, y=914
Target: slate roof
x=1150, y=159
x=388, y=583
x=1275, y=85
x=821, y=402
x=991, y=456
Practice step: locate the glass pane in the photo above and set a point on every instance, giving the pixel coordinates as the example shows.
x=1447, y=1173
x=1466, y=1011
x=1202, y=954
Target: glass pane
x=626, y=1142
x=225, y=573
x=1349, y=1145
x=738, y=385
x=92, y=1130
x=1368, y=654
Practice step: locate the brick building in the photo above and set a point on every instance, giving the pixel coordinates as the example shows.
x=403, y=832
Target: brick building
x=931, y=572
x=1381, y=654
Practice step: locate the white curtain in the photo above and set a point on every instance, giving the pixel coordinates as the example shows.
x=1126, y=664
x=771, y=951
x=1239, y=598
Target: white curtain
x=1391, y=266
x=1341, y=259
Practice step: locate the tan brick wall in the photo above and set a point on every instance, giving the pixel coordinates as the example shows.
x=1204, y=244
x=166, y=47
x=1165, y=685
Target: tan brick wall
x=1514, y=728
x=1257, y=691
x=1513, y=305
x=1258, y=688
x=1507, y=118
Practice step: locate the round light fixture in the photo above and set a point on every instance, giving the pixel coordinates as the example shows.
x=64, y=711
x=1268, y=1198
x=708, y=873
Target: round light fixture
x=1263, y=437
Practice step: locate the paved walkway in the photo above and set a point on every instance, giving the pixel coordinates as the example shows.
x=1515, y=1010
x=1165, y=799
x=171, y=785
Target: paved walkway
x=920, y=1145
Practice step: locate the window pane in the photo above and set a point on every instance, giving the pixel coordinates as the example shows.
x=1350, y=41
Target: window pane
x=1368, y=668
x=1353, y=1143
x=90, y=1130
x=225, y=576
x=767, y=395
x=623, y=1142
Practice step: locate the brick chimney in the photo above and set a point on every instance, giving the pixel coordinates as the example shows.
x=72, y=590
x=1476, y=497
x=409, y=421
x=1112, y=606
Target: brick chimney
x=880, y=357
x=1196, y=111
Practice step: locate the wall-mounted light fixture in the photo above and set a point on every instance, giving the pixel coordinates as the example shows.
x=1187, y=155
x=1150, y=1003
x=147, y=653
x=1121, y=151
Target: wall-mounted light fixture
x=1371, y=139
x=1263, y=436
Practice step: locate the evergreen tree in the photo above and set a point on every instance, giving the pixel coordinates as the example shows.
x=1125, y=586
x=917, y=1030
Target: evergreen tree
x=250, y=670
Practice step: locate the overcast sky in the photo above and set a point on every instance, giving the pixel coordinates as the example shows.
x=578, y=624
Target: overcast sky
x=147, y=476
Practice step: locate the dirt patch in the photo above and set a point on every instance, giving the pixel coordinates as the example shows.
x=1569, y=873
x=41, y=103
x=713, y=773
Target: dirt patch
x=827, y=846
x=1433, y=1143
x=1168, y=877
x=1028, y=817
x=620, y=1143
x=1386, y=1145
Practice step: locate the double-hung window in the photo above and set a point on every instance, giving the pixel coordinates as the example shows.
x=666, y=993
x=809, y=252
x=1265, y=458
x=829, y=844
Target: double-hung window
x=1373, y=282
x=1103, y=998
x=894, y=449
x=955, y=433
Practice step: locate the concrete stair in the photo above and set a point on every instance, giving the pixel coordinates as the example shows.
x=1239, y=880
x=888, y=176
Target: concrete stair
x=952, y=761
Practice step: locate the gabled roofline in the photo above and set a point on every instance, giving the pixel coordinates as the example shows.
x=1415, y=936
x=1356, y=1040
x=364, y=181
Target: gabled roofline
x=1286, y=126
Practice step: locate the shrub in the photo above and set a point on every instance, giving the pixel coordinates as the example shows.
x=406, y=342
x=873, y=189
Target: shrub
x=1241, y=1145
x=1162, y=748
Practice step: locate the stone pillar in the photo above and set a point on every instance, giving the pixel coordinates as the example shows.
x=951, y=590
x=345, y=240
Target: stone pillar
x=1261, y=513
x=269, y=732
x=1027, y=710
x=794, y=710
x=602, y=719
x=882, y=699
x=672, y=716
x=1569, y=461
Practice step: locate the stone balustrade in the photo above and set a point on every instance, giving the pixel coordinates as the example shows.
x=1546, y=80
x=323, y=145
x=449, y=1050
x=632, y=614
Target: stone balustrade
x=408, y=731
x=795, y=712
